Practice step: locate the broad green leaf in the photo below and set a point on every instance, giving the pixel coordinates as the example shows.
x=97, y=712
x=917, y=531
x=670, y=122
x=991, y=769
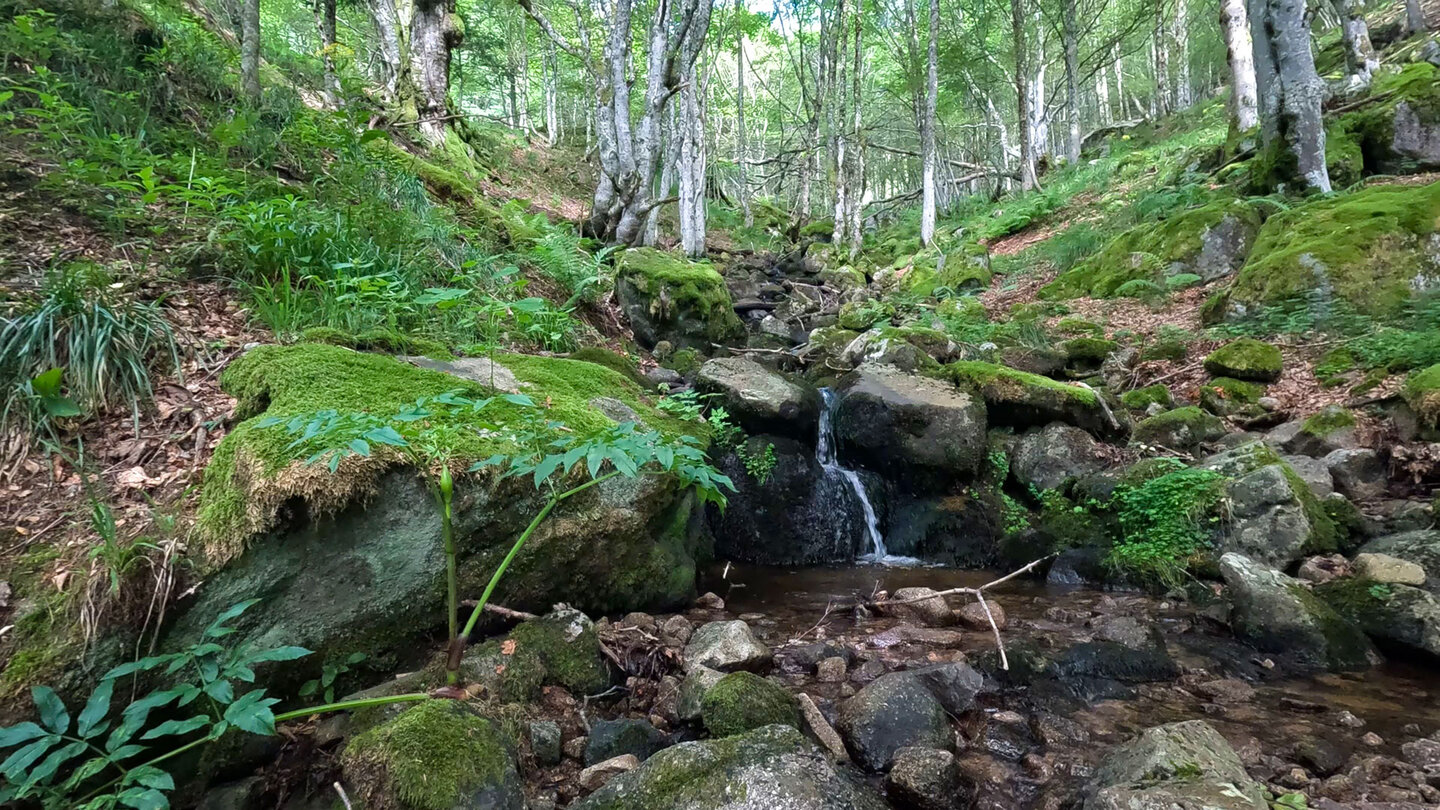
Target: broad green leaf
x=215, y=628
x=95, y=709
x=142, y=798
x=277, y=654
x=520, y=399
x=546, y=467
x=220, y=691
x=15, y=766
x=52, y=710
x=386, y=435
x=41, y=773
x=360, y=447
x=373, y=135
x=170, y=727
x=86, y=770
x=19, y=733
x=151, y=777
x=47, y=383
x=251, y=712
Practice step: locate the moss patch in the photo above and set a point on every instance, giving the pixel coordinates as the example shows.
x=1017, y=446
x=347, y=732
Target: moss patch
x=678, y=290
x=431, y=757
x=566, y=644
x=1142, y=398
x=1328, y=421
x=1182, y=428
x=615, y=361
x=1370, y=248
x=1246, y=359
x=1087, y=351
x=742, y=701
x=1422, y=394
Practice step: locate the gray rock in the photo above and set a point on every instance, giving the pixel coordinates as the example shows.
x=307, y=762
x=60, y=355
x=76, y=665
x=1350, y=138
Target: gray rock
x=545, y=741
x=820, y=728
x=1314, y=472
x=613, y=738
x=761, y=400
x=772, y=768
x=911, y=429
x=597, y=775
x=1046, y=458
x=1420, y=547
x=663, y=376
x=1415, y=144
x=831, y=670
x=1279, y=615
x=933, y=611
x=1320, y=570
x=726, y=646
x=482, y=370
x=926, y=779
x=1398, y=616
x=697, y=682
x=1359, y=474
x=1390, y=570
x=1271, y=519
x=1180, y=765
x=615, y=409
x=955, y=684
x=892, y=712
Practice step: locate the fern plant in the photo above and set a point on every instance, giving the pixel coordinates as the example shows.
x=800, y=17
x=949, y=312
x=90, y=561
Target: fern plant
x=560, y=255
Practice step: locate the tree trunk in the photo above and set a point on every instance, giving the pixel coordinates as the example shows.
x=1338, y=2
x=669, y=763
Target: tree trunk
x=692, y=170
x=1240, y=55
x=552, y=96
x=668, y=167
x=927, y=128
x=856, y=174
x=1414, y=17
x=1290, y=93
x=1102, y=97
x=250, y=49
x=1181, y=39
x=1022, y=93
x=434, y=32
x=741, y=174
x=1072, y=83
x=325, y=26
x=387, y=37
x=1360, y=59
x=1159, y=47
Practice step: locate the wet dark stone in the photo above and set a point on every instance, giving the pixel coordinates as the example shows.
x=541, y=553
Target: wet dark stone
x=612, y=738
x=1322, y=757
x=954, y=684
x=803, y=659
x=1010, y=741
x=1109, y=660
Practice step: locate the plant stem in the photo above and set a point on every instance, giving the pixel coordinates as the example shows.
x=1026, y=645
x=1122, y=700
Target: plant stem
x=347, y=705
x=446, y=496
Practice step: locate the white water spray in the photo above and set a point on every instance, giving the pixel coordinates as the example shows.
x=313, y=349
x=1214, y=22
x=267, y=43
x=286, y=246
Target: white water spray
x=825, y=454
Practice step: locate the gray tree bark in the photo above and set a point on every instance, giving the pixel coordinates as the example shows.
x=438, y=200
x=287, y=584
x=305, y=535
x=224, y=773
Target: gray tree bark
x=1240, y=55
x=1022, y=93
x=1290, y=93
x=927, y=129
x=1180, y=36
x=1414, y=17
x=692, y=133
x=325, y=27
x=855, y=177
x=741, y=155
x=1360, y=59
x=250, y=49
x=1072, y=82
x=389, y=42
x=1159, y=48
x=434, y=32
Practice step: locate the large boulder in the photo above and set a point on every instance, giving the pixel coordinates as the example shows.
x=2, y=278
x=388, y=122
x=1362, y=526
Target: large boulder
x=1280, y=615
x=1274, y=517
x=892, y=712
x=926, y=779
x=1181, y=429
x=1179, y=765
x=770, y=768
x=1022, y=400
x=801, y=514
x=1398, y=617
x=440, y=755
x=909, y=428
x=667, y=297
x=726, y=647
x=1246, y=359
x=1422, y=394
x=1048, y=457
x=761, y=400
x=1421, y=547
x=616, y=738
x=354, y=560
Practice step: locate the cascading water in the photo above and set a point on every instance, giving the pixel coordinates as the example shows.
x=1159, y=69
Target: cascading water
x=825, y=454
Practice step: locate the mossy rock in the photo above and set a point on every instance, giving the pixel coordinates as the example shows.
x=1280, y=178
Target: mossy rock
x=1422, y=393
x=1372, y=249
x=667, y=297
x=962, y=270
x=1211, y=241
x=1087, y=352
x=685, y=361
x=1328, y=422
x=1396, y=133
x=1246, y=359
x=829, y=342
x=567, y=646
x=439, y=755
x=1274, y=515
x=743, y=701
x=822, y=229
x=613, y=360
x=1142, y=398
x=1181, y=429
x=1019, y=399
x=328, y=335
x=843, y=278
x=1226, y=396
x=861, y=315
x=1079, y=327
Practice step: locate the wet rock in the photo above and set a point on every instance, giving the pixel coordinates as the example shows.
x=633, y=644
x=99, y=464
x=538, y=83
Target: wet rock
x=692, y=691
x=806, y=657
x=906, y=633
x=773, y=768
x=1419, y=547
x=1273, y=517
x=892, y=712
x=1078, y=566
x=761, y=400
x=574, y=748
x=830, y=670
x=1320, y=756
x=596, y=776
x=1398, y=616
x=1101, y=668
x=1386, y=569
x=1010, y=741
x=1359, y=474
x=1423, y=754
x=242, y=794
x=744, y=701
x=954, y=684
x=926, y=779
x=1320, y=570
x=922, y=605
x=1129, y=631
x=1177, y=765
x=911, y=429
x=726, y=646
x=545, y=741
x=820, y=728
x=1278, y=614
x=1048, y=457
x=709, y=601
x=664, y=376
x=612, y=738
x=1227, y=690
x=973, y=616
x=1054, y=730
x=1372, y=739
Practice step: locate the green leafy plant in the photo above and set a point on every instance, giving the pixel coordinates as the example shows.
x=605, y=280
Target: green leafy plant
x=332, y=670
x=114, y=558
x=759, y=465
x=1164, y=522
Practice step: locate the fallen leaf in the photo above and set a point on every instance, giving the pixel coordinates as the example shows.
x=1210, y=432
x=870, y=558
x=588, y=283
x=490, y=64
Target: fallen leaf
x=507, y=647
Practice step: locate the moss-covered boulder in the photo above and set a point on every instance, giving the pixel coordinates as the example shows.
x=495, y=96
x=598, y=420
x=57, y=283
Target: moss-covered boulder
x=1085, y=354
x=1226, y=396
x=1273, y=516
x=744, y=701
x=1185, y=764
x=863, y=314
x=1373, y=249
x=1181, y=429
x=354, y=560
x=1246, y=359
x=963, y=269
x=667, y=297
x=770, y=768
x=1020, y=399
x=1395, y=616
x=1422, y=394
x=1209, y=242
x=1142, y=398
x=1397, y=133
x=761, y=400
x=1279, y=615
x=439, y=755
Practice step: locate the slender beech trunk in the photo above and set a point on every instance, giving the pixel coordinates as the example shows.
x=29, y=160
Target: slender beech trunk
x=325, y=27
x=1290, y=92
x=1159, y=45
x=434, y=32
x=856, y=174
x=1181, y=39
x=1102, y=97
x=1022, y=93
x=1240, y=55
x=1072, y=83
x=742, y=180
x=552, y=95
x=927, y=128
x=668, y=166
x=692, y=132
x=1360, y=59
x=250, y=49
x=388, y=41
x=1414, y=17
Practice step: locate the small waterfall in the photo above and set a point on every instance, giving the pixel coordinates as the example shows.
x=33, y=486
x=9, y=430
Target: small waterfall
x=825, y=454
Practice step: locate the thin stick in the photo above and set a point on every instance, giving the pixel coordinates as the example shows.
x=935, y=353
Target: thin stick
x=343, y=798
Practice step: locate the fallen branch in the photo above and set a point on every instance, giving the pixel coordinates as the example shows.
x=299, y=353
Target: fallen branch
x=979, y=594
x=518, y=615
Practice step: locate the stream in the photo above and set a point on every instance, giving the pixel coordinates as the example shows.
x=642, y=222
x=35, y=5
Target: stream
x=1038, y=739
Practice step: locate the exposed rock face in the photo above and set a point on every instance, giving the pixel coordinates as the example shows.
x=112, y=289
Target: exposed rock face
x=1388, y=570
x=926, y=779
x=1046, y=458
x=1279, y=615
x=1022, y=400
x=911, y=429
x=761, y=400
x=1358, y=474
x=1177, y=765
x=772, y=768
x=726, y=647
x=666, y=297
x=1274, y=518
x=799, y=516
x=1420, y=547
x=892, y=712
